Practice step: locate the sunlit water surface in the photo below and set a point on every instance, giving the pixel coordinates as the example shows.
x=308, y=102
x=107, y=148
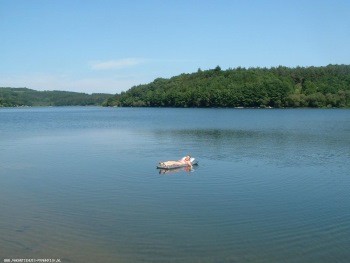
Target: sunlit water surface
x=81, y=185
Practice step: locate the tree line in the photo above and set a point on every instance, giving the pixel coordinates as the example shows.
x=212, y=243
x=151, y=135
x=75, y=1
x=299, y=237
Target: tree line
x=17, y=97
x=276, y=87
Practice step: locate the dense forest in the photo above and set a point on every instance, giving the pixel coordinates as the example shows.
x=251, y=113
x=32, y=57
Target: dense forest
x=276, y=87
x=16, y=97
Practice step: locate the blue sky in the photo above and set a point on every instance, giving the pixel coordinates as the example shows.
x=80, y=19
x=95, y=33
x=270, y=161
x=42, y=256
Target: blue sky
x=110, y=46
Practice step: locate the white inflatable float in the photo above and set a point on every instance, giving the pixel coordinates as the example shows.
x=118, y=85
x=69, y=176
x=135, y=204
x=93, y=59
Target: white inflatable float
x=175, y=166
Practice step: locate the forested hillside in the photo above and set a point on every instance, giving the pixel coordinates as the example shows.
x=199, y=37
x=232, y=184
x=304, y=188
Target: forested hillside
x=278, y=87
x=15, y=97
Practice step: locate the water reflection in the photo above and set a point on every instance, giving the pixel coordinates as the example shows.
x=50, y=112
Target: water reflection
x=277, y=147
x=176, y=170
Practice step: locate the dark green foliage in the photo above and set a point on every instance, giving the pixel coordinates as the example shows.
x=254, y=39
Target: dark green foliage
x=254, y=87
x=14, y=97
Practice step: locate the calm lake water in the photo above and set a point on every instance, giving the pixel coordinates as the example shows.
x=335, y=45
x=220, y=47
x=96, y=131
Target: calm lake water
x=81, y=185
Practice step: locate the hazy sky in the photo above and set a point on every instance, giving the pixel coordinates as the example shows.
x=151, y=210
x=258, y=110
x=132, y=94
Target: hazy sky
x=110, y=46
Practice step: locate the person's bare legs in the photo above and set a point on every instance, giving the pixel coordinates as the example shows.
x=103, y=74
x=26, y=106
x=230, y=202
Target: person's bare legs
x=170, y=163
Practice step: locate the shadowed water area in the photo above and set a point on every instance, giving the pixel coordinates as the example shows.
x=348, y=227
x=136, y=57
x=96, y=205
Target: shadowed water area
x=81, y=185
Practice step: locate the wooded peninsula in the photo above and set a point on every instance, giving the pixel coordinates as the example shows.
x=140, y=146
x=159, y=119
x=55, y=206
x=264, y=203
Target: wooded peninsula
x=277, y=87
x=19, y=97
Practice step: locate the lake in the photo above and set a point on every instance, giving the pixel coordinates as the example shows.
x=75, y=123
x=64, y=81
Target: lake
x=80, y=184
